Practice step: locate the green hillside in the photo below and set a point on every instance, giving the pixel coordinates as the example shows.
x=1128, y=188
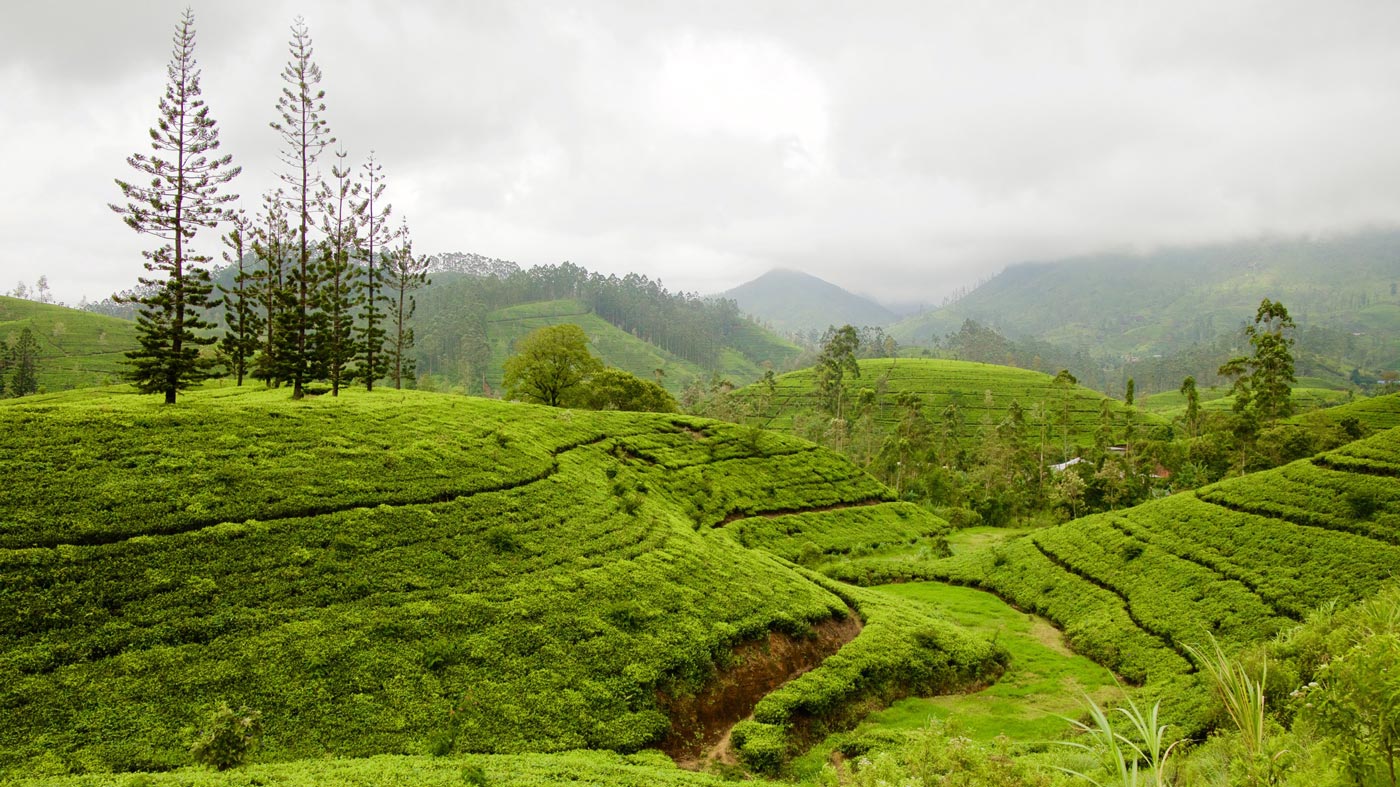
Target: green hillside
x=1242, y=560
x=982, y=392
x=411, y=573
x=1172, y=404
x=77, y=348
x=1160, y=302
x=792, y=301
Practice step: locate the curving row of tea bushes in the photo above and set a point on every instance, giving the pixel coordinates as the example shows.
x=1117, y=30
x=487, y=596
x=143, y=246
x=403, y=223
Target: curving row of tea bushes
x=1308, y=494
x=571, y=769
x=545, y=582
x=903, y=649
x=810, y=537
x=939, y=383
x=1292, y=568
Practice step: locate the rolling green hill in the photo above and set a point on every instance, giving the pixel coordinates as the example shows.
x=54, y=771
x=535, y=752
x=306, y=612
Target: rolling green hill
x=77, y=348
x=792, y=301
x=982, y=392
x=1160, y=302
x=406, y=572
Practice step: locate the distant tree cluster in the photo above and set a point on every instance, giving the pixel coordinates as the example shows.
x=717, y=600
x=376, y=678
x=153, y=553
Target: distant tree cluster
x=552, y=366
x=323, y=287
x=40, y=292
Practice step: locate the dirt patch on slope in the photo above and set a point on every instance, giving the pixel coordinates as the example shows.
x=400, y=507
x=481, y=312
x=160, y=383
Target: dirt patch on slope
x=756, y=668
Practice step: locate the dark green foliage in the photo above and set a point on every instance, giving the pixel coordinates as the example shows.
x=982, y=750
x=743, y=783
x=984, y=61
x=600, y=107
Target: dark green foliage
x=614, y=389
x=22, y=365
x=272, y=245
x=239, y=344
x=336, y=298
x=228, y=738
x=403, y=273
x=373, y=214
x=837, y=358
x=181, y=198
x=551, y=366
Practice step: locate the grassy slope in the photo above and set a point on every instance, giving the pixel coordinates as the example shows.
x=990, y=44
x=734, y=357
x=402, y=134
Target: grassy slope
x=77, y=348
x=386, y=573
x=939, y=383
x=1172, y=404
x=613, y=345
x=1243, y=559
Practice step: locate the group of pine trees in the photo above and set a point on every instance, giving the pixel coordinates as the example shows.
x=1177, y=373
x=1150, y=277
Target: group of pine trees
x=323, y=283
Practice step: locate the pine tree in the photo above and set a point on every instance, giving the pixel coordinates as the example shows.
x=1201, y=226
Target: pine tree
x=374, y=215
x=272, y=241
x=5, y=361
x=336, y=299
x=182, y=196
x=403, y=273
x=305, y=135
x=240, y=342
x=25, y=362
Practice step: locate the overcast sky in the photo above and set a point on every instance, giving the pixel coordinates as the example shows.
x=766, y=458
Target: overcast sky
x=897, y=149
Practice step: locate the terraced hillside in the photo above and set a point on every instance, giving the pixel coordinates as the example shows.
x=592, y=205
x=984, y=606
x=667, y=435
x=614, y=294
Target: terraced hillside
x=982, y=392
x=404, y=573
x=1172, y=404
x=620, y=349
x=1241, y=560
x=76, y=348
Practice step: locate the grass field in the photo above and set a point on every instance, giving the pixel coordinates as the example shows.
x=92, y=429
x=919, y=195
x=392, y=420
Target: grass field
x=404, y=572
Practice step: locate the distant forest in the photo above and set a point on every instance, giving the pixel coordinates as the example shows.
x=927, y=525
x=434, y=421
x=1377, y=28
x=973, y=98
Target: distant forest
x=453, y=313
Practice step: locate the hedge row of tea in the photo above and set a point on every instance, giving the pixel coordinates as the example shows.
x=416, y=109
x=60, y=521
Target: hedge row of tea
x=903, y=650
x=982, y=392
x=402, y=573
x=575, y=769
x=1241, y=560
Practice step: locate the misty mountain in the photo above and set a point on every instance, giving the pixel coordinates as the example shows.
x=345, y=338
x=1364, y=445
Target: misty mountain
x=1141, y=305
x=791, y=301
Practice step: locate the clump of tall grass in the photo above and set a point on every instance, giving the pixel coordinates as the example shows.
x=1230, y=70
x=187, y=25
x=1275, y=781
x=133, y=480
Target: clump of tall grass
x=1138, y=759
x=1243, y=699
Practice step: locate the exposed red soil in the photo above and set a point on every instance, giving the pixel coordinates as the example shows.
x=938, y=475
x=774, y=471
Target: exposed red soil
x=757, y=667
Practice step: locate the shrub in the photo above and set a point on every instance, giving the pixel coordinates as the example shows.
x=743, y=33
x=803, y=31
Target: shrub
x=229, y=737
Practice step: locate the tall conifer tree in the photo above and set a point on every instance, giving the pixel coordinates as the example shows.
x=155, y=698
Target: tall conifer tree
x=272, y=241
x=305, y=135
x=336, y=298
x=374, y=213
x=240, y=342
x=179, y=197
x=403, y=273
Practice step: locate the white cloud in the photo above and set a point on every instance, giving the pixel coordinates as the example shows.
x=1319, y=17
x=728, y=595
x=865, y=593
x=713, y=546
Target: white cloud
x=898, y=148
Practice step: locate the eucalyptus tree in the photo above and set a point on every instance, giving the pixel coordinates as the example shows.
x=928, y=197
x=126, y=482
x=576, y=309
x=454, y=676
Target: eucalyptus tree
x=175, y=195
